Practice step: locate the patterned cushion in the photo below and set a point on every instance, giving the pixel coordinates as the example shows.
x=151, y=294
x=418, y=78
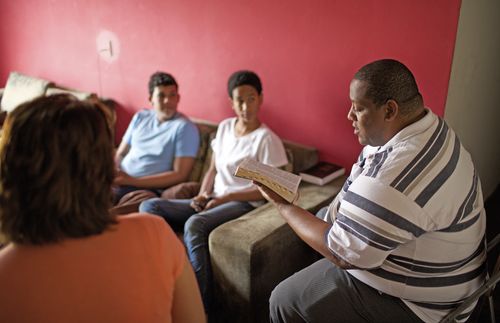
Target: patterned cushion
x=207, y=132
x=22, y=88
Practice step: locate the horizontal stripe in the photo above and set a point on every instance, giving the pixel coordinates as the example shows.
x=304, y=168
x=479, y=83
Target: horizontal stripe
x=470, y=205
x=433, y=267
x=431, y=281
x=384, y=158
x=367, y=234
x=383, y=213
x=346, y=185
x=378, y=162
x=389, y=234
x=447, y=308
x=438, y=306
x=423, y=158
x=410, y=165
x=362, y=237
x=468, y=201
x=462, y=226
x=441, y=178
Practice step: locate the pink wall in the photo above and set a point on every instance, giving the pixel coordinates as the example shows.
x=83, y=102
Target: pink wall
x=305, y=53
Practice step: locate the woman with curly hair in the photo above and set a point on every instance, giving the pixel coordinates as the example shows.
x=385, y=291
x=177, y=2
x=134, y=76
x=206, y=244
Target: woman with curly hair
x=69, y=259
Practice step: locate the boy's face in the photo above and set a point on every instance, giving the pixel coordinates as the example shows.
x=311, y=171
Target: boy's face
x=164, y=100
x=246, y=103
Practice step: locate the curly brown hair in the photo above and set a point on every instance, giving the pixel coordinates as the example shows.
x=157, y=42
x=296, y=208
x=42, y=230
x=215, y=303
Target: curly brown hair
x=56, y=171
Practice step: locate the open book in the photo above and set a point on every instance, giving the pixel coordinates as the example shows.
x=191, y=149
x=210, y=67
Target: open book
x=281, y=182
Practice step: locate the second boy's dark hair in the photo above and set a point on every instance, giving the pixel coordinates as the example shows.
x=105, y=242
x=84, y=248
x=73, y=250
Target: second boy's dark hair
x=160, y=79
x=243, y=77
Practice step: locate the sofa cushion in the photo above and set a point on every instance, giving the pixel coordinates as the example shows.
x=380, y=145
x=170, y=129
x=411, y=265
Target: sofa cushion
x=22, y=88
x=203, y=157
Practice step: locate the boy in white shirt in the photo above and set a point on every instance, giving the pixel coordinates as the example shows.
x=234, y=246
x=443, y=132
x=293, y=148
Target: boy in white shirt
x=222, y=196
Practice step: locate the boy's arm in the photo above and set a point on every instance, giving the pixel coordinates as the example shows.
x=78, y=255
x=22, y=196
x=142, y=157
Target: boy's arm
x=121, y=152
x=180, y=173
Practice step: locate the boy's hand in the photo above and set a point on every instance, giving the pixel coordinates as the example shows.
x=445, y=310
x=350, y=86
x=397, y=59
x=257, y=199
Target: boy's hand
x=199, y=202
x=214, y=202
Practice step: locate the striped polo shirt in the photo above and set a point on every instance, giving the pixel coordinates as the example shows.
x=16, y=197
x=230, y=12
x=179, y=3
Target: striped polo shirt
x=411, y=218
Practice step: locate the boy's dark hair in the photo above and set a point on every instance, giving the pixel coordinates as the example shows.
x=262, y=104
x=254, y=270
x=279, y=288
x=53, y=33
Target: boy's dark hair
x=243, y=77
x=390, y=79
x=56, y=171
x=159, y=79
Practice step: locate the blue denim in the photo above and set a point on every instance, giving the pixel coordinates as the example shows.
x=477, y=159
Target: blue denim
x=197, y=227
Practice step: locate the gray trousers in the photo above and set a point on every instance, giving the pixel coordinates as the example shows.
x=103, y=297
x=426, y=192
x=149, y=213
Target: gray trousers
x=323, y=292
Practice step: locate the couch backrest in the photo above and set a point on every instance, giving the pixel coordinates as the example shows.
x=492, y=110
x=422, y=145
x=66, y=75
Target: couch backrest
x=300, y=157
x=22, y=88
x=207, y=133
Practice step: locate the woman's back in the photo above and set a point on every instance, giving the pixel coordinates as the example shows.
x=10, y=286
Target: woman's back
x=126, y=274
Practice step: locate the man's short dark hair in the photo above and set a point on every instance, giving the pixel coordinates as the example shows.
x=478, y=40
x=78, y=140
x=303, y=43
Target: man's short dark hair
x=390, y=79
x=56, y=171
x=160, y=79
x=243, y=77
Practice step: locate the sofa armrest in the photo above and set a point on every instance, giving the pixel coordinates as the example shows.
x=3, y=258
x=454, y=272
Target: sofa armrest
x=252, y=254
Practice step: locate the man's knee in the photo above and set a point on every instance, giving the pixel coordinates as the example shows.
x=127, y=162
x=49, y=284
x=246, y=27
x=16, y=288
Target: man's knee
x=282, y=304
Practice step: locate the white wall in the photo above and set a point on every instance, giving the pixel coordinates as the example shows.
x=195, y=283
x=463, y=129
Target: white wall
x=473, y=104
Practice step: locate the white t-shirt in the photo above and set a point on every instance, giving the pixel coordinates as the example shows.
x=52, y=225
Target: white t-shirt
x=261, y=144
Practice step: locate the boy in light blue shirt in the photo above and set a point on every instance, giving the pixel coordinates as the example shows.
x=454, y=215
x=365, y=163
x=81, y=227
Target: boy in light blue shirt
x=159, y=147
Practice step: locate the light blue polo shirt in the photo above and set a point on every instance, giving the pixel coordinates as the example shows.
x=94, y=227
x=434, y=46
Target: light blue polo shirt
x=154, y=145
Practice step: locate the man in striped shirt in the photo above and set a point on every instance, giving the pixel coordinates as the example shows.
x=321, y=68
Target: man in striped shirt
x=404, y=239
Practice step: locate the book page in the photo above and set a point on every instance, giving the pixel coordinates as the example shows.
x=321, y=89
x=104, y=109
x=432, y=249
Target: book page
x=283, y=183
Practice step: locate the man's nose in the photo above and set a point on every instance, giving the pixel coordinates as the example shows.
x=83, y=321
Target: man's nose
x=350, y=114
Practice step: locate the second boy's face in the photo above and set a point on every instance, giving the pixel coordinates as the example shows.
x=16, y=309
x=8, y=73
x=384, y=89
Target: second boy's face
x=246, y=103
x=164, y=100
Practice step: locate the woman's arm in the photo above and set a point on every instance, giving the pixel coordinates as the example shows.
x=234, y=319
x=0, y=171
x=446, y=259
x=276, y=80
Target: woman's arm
x=187, y=305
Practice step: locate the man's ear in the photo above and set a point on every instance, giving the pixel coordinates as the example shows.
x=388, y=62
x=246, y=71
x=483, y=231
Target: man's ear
x=391, y=110
x=261, y=98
